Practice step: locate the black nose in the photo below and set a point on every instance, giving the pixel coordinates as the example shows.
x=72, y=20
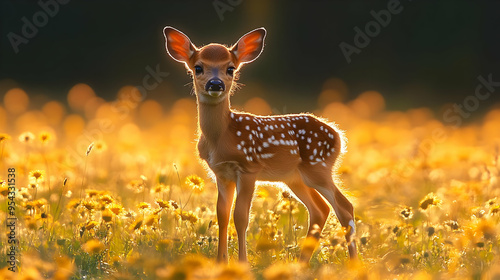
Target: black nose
x=215, y=85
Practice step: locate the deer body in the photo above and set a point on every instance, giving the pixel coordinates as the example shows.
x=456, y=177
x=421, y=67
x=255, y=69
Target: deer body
x=271, y=147
x=240, y=148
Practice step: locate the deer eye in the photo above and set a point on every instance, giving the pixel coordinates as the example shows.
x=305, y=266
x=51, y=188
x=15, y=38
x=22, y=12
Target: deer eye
x=230, y=70
x=198, y=69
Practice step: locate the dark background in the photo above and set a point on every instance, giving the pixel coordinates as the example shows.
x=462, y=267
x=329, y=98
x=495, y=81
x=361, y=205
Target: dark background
x=430, y=54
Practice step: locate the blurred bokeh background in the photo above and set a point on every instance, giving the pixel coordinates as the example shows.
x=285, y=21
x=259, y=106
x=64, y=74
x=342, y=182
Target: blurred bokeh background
x=429, y=54
x=93, y=111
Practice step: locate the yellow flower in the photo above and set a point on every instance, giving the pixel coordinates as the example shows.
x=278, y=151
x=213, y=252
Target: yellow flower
x=162, y=203
x=89, y=204
x=65, y=268
x=91, y=224
x=196, y=183
x=174, y=204
x=187, y=216
x=159, y=188
x=45, y=137
x=143, y=205
x=31, y=223
x=29, y=205
x=406, y=213
x=240, y=271
x=279, y=271
x=136, y=185
x=39, y=202
x=100, y=146
x=93, y=246
x=4, y=137
x=136, y=225
x=491, y=202
x=37, y=174
x=72, y=204
x=487, y=228
x=30, y=273
x=115, y=208
x=107, y=215
x=106, y=198
x=429, y=200
x=91, y=192
x=495, y=209
x=452, y=224
x=26, y=137
x=4, y=189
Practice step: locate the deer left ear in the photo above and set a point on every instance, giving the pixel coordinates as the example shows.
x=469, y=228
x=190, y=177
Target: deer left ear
x=249, y=46
x=178, y=45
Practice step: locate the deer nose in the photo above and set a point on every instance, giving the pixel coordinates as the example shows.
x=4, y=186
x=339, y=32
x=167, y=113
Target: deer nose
x=215, y=85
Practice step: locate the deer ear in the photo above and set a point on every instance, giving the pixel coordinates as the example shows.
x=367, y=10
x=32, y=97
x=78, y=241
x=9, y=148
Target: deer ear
x=249, y=46
x=178, y=45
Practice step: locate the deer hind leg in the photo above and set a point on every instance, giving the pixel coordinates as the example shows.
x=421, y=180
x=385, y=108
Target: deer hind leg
x=318, y=211
x=343, y=208
x=316, y=206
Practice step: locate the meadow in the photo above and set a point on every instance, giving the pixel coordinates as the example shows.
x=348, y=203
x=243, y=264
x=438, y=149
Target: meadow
x=114, y=190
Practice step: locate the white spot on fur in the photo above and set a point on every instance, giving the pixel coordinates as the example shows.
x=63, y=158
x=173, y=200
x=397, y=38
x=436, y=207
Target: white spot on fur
x=353, y=227
x=267, y=155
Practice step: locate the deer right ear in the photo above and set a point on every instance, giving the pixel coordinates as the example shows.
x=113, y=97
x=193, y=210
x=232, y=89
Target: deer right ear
x=249, y=46
x=178, y=45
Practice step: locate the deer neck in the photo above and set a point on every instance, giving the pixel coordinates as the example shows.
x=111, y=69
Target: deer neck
x=214, y=119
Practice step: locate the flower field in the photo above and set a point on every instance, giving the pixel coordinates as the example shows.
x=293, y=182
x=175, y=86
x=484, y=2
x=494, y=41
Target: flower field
x=115, y=190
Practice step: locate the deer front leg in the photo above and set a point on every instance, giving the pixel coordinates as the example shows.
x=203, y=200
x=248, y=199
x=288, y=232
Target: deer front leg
x=245, y=188
x=224, y=203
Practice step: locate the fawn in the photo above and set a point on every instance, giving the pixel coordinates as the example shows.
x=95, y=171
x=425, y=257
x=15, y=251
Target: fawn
x=240, y=148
